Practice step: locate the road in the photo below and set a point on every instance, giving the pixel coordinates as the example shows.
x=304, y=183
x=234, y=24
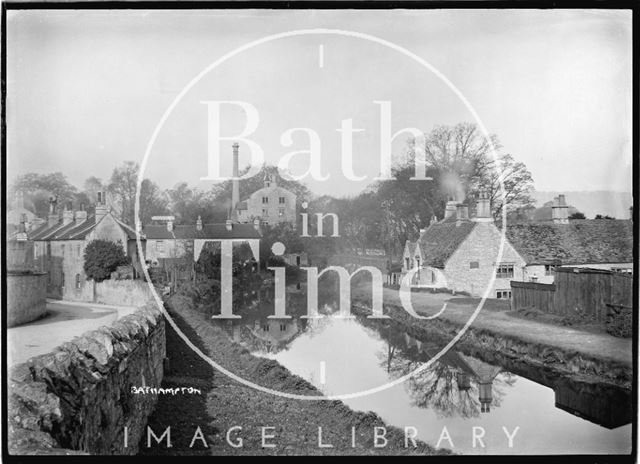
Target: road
x=64, y=321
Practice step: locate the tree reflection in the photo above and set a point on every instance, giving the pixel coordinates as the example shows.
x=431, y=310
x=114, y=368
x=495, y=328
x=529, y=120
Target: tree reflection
x=455, y=385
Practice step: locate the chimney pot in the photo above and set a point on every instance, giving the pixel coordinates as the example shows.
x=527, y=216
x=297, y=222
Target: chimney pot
x=483, y=207
x=199, y=223
x=450, y=209
x=170, y=226
x=229, y=224
x=560, y=210
x=256, y=224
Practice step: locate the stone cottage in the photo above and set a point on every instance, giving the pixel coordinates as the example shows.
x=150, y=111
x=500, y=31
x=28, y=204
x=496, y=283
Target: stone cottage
x=60, y=243
x=460, y=253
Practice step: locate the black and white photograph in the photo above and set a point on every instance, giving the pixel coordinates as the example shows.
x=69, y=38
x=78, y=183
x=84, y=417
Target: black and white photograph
x=296, y=229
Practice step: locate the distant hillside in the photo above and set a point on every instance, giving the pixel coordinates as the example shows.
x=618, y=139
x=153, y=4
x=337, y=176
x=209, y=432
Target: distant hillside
x=603, y=202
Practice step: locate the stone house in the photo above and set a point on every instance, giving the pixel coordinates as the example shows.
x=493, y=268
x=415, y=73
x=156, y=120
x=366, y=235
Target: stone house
x=60, y=243
x=460, y=254
x=271, y=204
x=588, y=243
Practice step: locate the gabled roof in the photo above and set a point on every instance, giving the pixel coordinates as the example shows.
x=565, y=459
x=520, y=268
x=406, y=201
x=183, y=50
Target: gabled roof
x=74, y=231
x=442, y=239
x=209, y=231
x=586, y=241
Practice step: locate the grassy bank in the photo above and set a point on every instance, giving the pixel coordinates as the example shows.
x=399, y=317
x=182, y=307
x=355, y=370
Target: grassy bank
x=225, y=403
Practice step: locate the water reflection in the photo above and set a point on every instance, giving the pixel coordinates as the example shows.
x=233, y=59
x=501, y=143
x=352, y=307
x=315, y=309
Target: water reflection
x=465, y=386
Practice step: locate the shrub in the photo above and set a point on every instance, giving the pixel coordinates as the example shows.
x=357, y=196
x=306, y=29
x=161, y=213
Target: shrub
x=102, y=257
x=619, y=323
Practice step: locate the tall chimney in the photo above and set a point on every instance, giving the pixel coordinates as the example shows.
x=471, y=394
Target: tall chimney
x=483, y=207
x=560, y=210
x=67, y=215
x=235, y=192
x=450, y=209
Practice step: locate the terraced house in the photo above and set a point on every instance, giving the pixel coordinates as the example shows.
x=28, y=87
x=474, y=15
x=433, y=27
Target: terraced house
x=59, y=247
x=461, y=253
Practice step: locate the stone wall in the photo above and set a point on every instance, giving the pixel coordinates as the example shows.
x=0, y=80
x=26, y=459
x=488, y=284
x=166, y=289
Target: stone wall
x=79, y=397
x=26, y=296
x=122, y=292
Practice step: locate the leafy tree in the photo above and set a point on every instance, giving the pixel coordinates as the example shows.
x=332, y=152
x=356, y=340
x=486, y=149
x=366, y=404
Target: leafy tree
x=606, y=216
x=102, y=257
x=577, y=215
x=39, y=188
x=123, y=187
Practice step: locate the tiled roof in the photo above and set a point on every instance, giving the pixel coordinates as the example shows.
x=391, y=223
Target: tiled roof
x=442, y=239
x=209, y=231
x=74, y=231
x=587, y=241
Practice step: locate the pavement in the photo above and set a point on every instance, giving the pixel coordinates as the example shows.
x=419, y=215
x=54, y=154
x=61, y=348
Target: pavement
x=459, y=310
x=64, y=321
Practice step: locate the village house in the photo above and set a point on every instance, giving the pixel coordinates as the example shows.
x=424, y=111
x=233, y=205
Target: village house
x=271, y=204
x=60, y=243
x=459, y=253
x=170, y=241
x=589, y=243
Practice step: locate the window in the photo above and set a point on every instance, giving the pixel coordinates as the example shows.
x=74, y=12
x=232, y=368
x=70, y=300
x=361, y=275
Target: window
x=406, y=263
x=503, y=294
x=549, y=269
x=265, y=200
x=265, y=212
x=504, y=271
x=281, y=200
x=417, y=261
x=62, y=250
x=62, y=283
x=474, y=265
x=265, y=327
x=77, y=281
x=49, y=249
x=78, y=249
x=433, y=277
x=159, y=246
x=283, y=327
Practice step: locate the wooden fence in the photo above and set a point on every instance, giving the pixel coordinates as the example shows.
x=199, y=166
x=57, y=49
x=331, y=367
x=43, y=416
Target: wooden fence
x=577, y=292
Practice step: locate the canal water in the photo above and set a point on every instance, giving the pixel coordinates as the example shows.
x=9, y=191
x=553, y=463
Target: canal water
x=458, y=392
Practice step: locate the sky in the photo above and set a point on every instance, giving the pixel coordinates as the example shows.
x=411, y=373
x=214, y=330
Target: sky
x=87, y=89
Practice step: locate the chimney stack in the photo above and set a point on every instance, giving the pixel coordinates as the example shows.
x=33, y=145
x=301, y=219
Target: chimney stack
x=67, y=215
x=450, y=209
x=101, y=206
x=170, y=225
x=560, y=210
x=462, y=212
x=229, y=224
x=199, y=224
x=81, y=215
x=256, y=224
x=53, y=217
x=483, y=207
x=235, y=192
